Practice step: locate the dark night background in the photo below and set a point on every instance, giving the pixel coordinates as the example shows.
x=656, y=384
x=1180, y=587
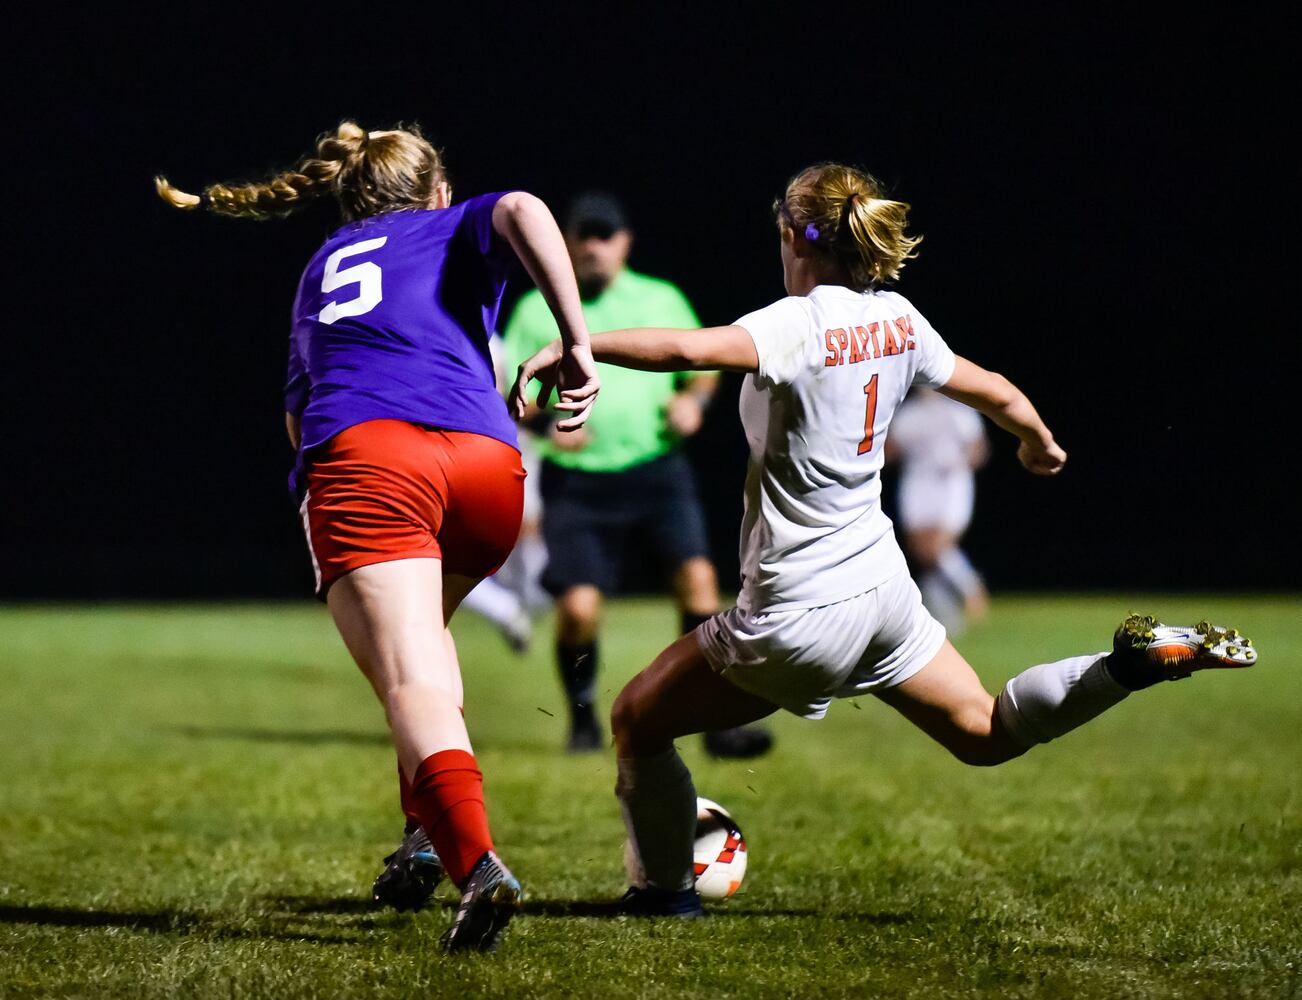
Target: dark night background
x=1099, y=195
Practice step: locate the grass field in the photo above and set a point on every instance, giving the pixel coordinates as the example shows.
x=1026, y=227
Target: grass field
x=194, y=799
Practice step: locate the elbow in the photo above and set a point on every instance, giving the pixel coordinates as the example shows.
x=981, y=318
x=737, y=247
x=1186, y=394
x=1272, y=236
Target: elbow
x=691, y=352
x=1003, y=394
x=514, y=208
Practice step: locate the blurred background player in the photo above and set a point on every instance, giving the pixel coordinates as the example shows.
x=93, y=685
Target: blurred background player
x=939, y=444
x=514, y=594
x=621, y=486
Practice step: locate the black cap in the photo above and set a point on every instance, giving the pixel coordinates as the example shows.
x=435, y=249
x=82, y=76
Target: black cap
x=595, y=213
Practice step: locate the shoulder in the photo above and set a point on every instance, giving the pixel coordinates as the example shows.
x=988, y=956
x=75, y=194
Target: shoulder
x=781, y=333
x=787, y=311
x=482, y=202
x=894, y=300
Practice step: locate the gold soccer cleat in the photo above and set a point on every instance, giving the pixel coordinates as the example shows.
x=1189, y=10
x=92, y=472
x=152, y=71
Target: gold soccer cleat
x=1176, y=651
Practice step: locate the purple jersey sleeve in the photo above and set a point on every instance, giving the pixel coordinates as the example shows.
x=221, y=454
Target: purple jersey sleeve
x=477, y=226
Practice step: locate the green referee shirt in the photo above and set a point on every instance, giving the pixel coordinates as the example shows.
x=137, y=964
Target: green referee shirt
x=627, y=425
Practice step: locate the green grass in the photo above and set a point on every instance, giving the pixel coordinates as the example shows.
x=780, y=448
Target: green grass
x=194, y=799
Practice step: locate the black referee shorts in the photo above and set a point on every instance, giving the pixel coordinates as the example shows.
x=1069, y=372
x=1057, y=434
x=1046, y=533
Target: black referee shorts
x=593, y=521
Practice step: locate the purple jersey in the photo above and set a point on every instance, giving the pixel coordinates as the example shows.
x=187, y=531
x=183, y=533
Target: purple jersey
x=392, y=320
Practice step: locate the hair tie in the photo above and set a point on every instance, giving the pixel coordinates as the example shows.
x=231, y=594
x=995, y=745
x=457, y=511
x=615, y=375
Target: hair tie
x=205, y=200
x=812, y=233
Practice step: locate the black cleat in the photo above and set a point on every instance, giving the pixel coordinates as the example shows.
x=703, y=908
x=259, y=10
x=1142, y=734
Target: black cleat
x=648, y=901
x=411, y=873
x=491, y=898
x=585, y=731
x=738, y=743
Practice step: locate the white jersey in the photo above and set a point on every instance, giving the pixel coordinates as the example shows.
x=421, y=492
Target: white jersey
x=833, y=368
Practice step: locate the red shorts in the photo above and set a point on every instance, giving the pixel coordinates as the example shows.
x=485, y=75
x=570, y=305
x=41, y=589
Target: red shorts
x=386, y=489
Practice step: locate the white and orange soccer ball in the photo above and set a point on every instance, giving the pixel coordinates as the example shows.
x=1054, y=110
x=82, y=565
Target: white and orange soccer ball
x=720, y=851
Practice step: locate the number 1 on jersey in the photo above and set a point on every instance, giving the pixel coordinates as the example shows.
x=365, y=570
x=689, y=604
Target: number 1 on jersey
x=870, y=414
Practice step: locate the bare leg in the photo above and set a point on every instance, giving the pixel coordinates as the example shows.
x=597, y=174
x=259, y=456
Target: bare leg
x=948, y=702
x=391, y=618
x=677, y=695
x=696, y=588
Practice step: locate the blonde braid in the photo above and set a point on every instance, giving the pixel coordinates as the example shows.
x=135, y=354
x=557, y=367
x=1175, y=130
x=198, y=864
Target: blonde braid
x=404, y=173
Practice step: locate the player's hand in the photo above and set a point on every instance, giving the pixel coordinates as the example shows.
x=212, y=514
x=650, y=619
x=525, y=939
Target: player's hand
x=543, y=366
x=577, y=383
x=572, y=372
x=1042, y=459
x=684, y=414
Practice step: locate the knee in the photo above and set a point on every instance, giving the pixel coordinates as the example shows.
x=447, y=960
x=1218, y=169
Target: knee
x=925, y=548
x=633, y=727
x=979, y=739
x=625, y=719
x=697, y=586
x=578, y=614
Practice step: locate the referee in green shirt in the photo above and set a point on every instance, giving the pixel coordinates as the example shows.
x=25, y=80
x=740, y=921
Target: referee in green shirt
x=619, y=487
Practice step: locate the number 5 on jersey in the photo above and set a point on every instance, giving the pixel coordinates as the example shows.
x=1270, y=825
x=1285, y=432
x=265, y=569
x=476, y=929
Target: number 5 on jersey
x=870, y=414
x=366, y=275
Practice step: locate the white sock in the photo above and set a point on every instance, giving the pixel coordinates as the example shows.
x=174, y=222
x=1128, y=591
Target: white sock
x=1046, y=701
x=533, y=560
x=658, y=801
x=955, y=566
x=490, y=599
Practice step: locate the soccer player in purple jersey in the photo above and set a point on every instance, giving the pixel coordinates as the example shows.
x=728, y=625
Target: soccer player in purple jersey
x=408, y=471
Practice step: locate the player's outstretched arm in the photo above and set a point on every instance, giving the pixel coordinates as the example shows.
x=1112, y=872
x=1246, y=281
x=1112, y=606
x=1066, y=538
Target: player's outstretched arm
x=648, y=349
x=1005, y=404
x=527, y=224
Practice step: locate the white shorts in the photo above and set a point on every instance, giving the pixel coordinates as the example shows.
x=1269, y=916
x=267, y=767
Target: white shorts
x=800, y=660
x=936, y=501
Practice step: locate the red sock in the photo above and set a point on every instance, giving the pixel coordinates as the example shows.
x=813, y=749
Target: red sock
x=447, y=794
x=404, y=796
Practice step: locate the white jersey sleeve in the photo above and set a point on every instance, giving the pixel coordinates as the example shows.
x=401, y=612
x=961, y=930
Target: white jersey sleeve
x=782, y=336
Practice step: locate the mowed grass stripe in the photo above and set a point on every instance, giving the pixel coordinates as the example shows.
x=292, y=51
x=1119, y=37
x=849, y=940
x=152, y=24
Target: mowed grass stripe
x=195, y=799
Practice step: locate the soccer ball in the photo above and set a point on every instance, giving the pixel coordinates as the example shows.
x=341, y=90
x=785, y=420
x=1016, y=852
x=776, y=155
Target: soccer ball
x=719, y=855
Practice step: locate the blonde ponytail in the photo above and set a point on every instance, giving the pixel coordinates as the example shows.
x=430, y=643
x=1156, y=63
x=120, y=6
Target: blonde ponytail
x=367, y=174
x=843, y=211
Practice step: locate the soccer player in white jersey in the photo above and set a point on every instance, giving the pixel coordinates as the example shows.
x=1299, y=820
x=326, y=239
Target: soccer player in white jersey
x=827, y=608
x=938, y=444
